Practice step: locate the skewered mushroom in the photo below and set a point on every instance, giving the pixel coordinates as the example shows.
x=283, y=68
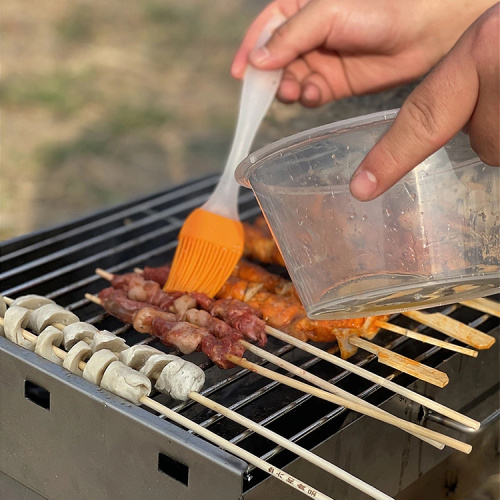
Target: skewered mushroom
x=126, y=382
x=137, y=355
x=97, y=365
x=49, y=314
x=79, y=352
x=155, y=364
x=179, y=378
x=107, y=340
x=51, y=336
x=31, y=301
x=16, y=318
x=78, y=331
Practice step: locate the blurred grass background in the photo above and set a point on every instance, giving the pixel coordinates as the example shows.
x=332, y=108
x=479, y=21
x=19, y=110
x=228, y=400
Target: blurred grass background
x=102, y=102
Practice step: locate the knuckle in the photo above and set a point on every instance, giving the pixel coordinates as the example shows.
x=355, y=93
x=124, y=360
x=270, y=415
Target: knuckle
x=422, y=115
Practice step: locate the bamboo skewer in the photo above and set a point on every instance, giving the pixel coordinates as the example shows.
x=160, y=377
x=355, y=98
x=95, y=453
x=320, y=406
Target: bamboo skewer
x=484, y=305
x=301, y=386
x=425, y=338
x=294, y=448
x=388, y=384
x=240, y=452
x=327, y=386
x=359, y=405
x=413, y=396
x=402, y=363
x=453, y=328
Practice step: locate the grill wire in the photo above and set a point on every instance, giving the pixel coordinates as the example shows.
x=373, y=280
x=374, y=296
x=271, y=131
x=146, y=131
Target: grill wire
x=60, y=262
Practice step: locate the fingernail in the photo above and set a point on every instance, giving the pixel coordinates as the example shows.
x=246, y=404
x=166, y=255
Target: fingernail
x=311, y=94
x=363, y=185
x=259, y=55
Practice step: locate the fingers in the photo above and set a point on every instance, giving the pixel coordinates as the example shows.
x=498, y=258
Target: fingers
x=435, y=111
x=484, y=126
x=240, y=60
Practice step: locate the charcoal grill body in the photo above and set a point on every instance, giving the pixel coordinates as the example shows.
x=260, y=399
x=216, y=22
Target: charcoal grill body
x=64, y=438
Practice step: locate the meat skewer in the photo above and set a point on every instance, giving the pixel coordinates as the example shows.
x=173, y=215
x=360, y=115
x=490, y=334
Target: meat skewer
x=348, y=403
x=254, y=460
x=346, y=365
x=287, y=314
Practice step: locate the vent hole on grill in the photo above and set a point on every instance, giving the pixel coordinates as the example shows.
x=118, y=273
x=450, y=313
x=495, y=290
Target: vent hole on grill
x=37, y=394
x=173, y=468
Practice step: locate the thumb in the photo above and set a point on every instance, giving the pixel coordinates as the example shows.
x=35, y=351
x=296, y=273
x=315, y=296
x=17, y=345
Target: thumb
x=433, y=113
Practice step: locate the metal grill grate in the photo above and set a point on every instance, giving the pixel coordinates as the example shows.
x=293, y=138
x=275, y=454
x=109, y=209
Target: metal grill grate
x=59, y=263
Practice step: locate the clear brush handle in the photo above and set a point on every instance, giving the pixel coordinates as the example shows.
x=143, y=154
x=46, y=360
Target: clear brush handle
x=259, y=90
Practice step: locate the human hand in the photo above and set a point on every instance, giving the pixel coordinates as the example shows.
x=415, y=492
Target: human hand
x=461, y=92
x=337, y=48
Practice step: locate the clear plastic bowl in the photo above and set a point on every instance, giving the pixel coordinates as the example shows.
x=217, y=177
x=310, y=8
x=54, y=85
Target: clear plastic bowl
x=432, y=239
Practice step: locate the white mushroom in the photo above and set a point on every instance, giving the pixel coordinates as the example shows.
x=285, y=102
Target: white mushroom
x=78, y=331
x=16, y=318
x=179, y=378
x=97, y=365
x=51, y=336
x=124, y=381
x=137, y=355
x=155, y=364
x=107, y=340
x=79, y=352
x=31, y=301
x=3, y=308
x=49, y=314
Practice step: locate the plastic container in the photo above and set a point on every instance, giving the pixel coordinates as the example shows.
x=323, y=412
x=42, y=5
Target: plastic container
x=432, y=239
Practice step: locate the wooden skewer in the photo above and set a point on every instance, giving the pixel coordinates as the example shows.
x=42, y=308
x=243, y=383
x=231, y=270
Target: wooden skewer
x=484, y=305
x=384, y=416
x=425, y=338
x=340, y=398
x=402, y=363
x=361, y=372
x=298, y=450
x=377, y=379
x=448, y=441
x=381, y=415
x=236, y=450
x=453, y=328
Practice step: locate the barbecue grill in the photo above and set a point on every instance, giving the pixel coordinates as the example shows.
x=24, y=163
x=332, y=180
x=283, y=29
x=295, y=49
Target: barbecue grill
x=64, y=438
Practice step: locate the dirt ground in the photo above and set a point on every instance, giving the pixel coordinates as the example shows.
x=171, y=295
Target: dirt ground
x=103, y=102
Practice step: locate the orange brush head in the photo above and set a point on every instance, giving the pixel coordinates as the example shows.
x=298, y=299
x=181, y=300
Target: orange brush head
x=210, y=246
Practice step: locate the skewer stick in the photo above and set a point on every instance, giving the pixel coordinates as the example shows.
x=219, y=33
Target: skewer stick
x=484, y=305
x=327, y=386
x=377, y=379
x=425, y=338
x=360, y=371
x=343, y=397
x=453, y=328
x=294, y=448
x=402, y=363
x=381, y=415
x=448, y=441
x=234, y=449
